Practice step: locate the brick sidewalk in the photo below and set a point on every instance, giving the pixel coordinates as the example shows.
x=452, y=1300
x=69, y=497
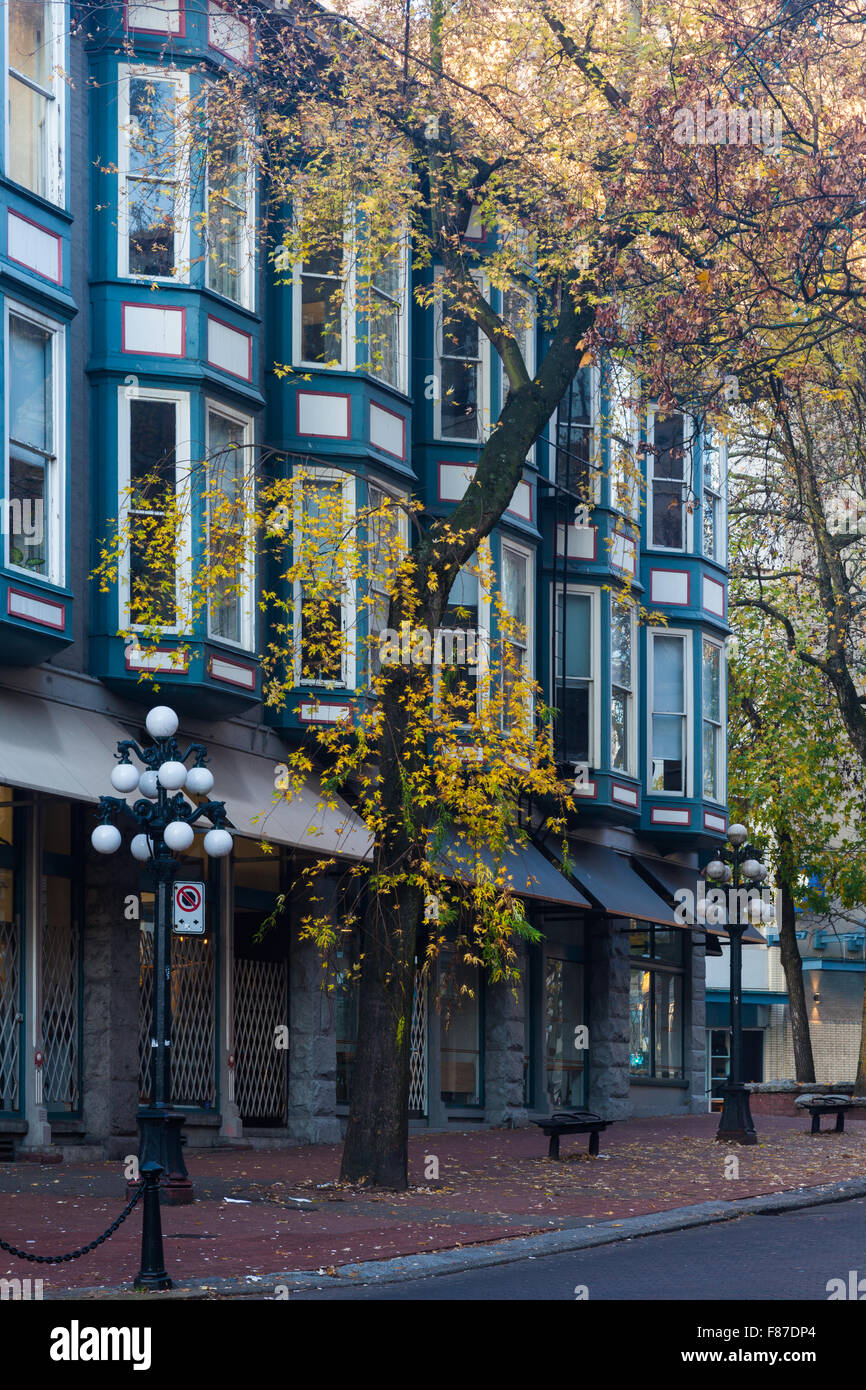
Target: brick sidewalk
x=492, y=1184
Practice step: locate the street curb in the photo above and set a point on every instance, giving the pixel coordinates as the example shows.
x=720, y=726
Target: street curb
x=434, y=1263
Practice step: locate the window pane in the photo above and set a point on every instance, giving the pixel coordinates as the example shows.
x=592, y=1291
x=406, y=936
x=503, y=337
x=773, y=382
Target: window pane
x=640, y=1036
x=322, y=598
x=226, y=467
x=564, y=1013
x=152, y=574
x=712, y=684
x=667, y=753
x=30, y=39
x=669, y=457
x=668, y=675
x=620, y=753
x=710, y=526
x=227, y=205
x=384, y=339
x=152, y=127
x=29, y=153
x=459, y=413
x=667, y=516
x=151, y=228
x=668, y=1026
x=321, y=312
x=28, y=509
x=459, y=334
x=461, y=1033
x=31, y=417
x=621, y=643
x=710, y=759
x=576, y=642
x=574, y=436
x=514, y=585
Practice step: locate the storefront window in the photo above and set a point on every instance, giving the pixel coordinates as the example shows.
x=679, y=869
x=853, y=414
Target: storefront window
x=656, y=1003
x=564, y=1013
x=461, y=1031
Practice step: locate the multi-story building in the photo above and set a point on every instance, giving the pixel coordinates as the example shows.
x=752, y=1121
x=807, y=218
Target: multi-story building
x=141, y=323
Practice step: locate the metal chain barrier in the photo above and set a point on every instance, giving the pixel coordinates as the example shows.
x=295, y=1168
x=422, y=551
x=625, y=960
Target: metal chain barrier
x=85, y=1249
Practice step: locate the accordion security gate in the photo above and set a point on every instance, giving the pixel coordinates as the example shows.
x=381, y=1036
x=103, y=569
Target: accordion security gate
x=10, y=1000
x=260, y=1067
x=193, y=1027
x=60, y=1016
x=418, y=1045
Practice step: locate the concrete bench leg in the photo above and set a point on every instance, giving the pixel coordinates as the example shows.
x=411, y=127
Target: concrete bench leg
x=593, y=1143
x=816, y=1123
x=840, y=1122
x=553, y=1147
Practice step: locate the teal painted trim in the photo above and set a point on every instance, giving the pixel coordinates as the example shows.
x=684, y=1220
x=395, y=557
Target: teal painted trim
x=750, y=996
x=816, y=963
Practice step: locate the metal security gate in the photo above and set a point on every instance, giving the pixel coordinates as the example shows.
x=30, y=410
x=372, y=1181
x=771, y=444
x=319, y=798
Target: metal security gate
x=193, y=1018
x=10, y=1003
x=60, y=980
x=260, y=1066
x=418, y=1045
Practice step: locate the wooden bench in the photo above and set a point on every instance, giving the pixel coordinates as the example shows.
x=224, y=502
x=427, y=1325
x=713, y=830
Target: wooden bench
x=825, y=1105
x=572, y=1122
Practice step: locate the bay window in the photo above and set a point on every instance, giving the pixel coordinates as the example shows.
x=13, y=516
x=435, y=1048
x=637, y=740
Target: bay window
x=575, y=677
x=322, y=654
x=576, y=439
x=656, y=1013
x=622, y=647
x=153, y=178
x=669, y=733
x=461, y=356
x=668, y=479
x=35, y=48
x=517, y=642
x=383, y=293
x=712, y=709
x=713, y=529
x=387, y=539
x=229, y=481
x=35, y=472
x=154, y=476
x=230, y=206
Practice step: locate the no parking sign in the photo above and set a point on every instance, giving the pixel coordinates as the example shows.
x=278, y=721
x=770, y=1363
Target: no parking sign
x=189, y=917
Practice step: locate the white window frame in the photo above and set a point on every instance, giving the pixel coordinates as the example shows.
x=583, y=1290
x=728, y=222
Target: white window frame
x=182, y=477
x=528, y=347
x=483, y=361
x=557, y=595
x=247, y=278
x=347, y=343
x=54, y=521
x=528, y=558
x=688, y=713
x=720, y=444
x=720, y=798
x=485, y=579
x=56, y=123
x=689, y=440
x=349, y=605
x=595, y=470
x=631, y=768
x=402, y=382
x=625, y=377
x=127, y=73
x=247, y=604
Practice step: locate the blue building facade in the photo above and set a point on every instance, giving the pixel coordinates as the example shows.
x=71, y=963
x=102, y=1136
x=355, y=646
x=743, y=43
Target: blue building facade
x=142, y=325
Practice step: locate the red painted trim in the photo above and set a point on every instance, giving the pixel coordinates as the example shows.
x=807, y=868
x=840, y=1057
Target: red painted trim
x=58, y=279
x=451, y=463
x=632, y=791
x=228, y=9
x=34, y=598
x=718, y=816
x=228, y=680
x=174, y=670
x=397, y=416
x=241, y=334
x=676, y=823
x=591, y=795
x=709, y=580
x=671, y=602
x=325, y=395
x=163, y=33
x=163, y=308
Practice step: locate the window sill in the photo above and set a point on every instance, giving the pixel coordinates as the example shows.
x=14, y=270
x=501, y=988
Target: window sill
x=656, y=1081
x=59, y=209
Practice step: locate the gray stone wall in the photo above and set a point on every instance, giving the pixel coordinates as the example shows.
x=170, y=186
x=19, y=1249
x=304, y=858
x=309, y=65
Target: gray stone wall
x=504, y=1023
x=696, y=1026
x=607, y=942
x=312, y=1030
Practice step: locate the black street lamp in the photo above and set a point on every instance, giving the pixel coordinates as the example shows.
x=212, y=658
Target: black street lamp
x=739, y=868
x=166, y=821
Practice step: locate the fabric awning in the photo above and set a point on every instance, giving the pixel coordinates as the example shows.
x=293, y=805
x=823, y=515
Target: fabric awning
x=529, y=873
x=668, y=878
x=610, y=879
x=46, y=746
x=322, y=823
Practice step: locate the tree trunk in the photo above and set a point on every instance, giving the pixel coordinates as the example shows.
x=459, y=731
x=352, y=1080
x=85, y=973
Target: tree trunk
x=792, y=964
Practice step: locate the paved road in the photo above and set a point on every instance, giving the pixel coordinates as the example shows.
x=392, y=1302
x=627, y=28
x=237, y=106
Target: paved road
x=790, y=1256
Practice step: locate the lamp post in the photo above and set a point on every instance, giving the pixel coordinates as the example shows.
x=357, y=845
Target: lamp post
x=166, y=822
x=739, y=866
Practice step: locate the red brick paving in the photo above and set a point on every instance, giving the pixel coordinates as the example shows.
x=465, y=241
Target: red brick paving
x=492, y=1184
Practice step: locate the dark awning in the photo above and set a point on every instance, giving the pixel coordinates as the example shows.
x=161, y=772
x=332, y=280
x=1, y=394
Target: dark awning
x=668, y=878
x=529, y=873
x=609, y=878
